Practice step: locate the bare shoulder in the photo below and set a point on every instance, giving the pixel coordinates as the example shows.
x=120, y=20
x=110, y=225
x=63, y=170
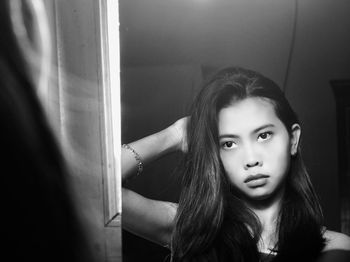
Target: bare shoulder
x=336, y=240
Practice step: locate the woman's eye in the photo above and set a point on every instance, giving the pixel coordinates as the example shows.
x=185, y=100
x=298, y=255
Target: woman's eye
x=264, y=136
x=228, y=144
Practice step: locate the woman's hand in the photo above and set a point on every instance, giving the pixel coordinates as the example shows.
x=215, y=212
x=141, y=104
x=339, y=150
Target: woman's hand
x=179, y=133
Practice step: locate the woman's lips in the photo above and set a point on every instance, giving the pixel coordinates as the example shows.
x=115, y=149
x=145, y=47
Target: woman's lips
x=256, y=180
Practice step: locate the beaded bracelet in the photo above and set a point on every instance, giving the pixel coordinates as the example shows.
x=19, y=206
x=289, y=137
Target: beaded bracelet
x=137, y=157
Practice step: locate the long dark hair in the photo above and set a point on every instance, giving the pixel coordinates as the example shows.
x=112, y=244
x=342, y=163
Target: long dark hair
x=39, y=221
x=213, y=224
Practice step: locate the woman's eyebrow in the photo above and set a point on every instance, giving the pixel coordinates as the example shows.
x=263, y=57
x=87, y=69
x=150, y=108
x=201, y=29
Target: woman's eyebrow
x=263, y=127
x=228, y=136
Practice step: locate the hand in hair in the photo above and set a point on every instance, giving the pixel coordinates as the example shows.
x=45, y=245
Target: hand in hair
x=180, y=133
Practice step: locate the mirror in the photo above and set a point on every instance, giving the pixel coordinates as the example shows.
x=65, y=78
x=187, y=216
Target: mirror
x=169, y=47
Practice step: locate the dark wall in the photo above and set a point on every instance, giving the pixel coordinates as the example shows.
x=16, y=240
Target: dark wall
x=321, y=53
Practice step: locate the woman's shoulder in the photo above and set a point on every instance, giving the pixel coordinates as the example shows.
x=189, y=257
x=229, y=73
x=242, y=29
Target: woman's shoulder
x=336, y=241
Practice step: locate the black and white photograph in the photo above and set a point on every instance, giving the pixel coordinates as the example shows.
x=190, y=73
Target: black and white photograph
x=175, y=130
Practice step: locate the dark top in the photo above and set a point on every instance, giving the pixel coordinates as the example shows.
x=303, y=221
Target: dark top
x=335, y=255
x=327, y=256
x=266, y=257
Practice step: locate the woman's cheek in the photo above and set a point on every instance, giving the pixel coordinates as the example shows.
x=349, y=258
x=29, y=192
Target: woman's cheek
x=280, y=157
x=231, y=167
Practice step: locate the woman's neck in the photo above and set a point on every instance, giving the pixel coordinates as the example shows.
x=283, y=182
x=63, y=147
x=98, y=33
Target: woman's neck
x=268, y=211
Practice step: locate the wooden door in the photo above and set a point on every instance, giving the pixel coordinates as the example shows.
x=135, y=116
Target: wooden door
x=84, y=111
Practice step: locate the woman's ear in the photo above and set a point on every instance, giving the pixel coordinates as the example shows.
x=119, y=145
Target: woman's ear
x=294, y=139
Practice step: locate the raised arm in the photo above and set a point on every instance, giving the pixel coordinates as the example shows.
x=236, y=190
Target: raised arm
x=152, y=147
x=144, y=217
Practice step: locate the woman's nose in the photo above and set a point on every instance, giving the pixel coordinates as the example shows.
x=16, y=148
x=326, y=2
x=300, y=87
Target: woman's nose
x=252, y=158
x=252, y=164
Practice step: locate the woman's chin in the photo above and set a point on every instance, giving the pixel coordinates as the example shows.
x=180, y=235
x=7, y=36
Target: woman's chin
x=262, y=195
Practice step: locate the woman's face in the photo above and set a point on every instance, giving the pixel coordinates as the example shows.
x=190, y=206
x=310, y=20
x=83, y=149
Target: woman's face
x=255, y=147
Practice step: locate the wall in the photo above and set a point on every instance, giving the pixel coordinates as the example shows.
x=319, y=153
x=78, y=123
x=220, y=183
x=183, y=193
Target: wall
x=321, y=53
x=221, y=32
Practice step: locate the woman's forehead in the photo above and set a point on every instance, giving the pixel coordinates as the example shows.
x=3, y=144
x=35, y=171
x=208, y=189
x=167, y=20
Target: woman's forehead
x=247, y=115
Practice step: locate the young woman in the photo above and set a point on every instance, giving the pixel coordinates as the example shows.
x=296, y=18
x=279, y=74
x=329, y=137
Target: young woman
x=246, y=195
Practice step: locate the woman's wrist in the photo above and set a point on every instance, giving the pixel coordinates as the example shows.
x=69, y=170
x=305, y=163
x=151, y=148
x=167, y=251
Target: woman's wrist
x=147, y=149
x=170, y=139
